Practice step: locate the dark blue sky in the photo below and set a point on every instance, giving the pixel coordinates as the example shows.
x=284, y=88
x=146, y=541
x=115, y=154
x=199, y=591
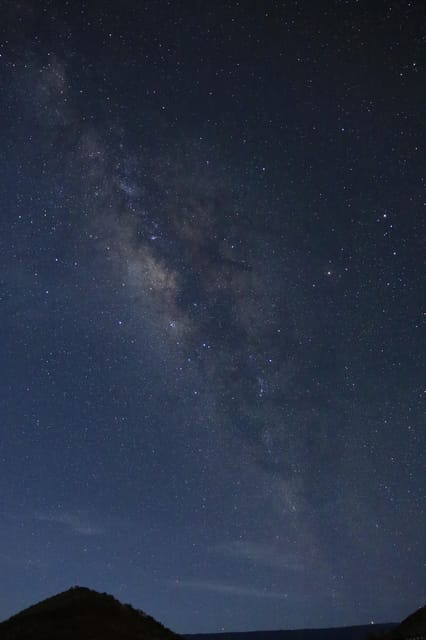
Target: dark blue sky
x=211, y=289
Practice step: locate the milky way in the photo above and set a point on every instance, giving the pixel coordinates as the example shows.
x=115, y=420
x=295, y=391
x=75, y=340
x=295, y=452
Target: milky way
x=210, y=290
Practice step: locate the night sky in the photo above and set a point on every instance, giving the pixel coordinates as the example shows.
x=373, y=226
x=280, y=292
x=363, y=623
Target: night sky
x=211, y=290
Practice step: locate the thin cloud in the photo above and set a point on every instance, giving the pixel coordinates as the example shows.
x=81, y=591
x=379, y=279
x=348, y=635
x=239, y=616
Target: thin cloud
x=230, y=589
x=263, y=554
x=73, y=521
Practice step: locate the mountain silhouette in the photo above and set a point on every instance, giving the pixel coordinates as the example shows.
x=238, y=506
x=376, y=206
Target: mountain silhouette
x=413, y=627
x=84, y=614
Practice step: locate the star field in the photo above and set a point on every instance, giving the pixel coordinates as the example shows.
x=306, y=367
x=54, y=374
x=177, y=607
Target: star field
x=212, y=245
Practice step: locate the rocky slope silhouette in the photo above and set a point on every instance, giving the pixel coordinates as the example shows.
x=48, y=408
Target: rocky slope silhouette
x=412, y=627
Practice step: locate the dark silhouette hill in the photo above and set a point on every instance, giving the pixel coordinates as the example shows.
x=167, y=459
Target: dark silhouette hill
x=414, y=626
x=83, y=614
